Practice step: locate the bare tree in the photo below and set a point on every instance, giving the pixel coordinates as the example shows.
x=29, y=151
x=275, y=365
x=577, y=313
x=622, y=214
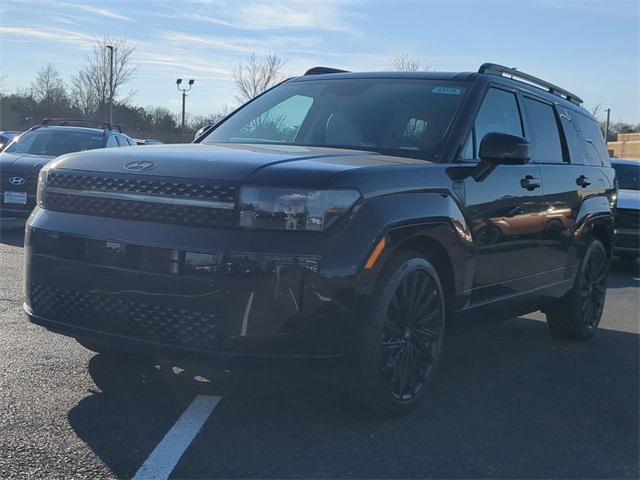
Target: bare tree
x=3, y=78
x=406, y=63
x=90, y=87
x=254, y=75
x=596, y=110
x=47, y=86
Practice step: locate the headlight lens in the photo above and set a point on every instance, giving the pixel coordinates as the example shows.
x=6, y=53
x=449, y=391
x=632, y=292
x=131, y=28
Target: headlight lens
x=293, y=208
x=42, y=187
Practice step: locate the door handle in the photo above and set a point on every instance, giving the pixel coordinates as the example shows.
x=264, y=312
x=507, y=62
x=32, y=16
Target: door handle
x=530, y=182
x=583, y=181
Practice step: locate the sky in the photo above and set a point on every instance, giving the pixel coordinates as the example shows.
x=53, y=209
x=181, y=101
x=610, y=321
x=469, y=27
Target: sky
x=589, y=47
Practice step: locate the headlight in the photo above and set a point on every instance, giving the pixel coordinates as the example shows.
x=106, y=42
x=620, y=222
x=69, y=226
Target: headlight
x=42, y=187
x=293, y=208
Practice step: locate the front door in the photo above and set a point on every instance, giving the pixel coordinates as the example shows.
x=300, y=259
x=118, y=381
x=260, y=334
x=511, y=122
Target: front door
x=505, y=210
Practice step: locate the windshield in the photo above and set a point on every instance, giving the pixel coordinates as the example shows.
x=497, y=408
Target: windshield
x=628, y=176
x=55, y=142
x=405, y=117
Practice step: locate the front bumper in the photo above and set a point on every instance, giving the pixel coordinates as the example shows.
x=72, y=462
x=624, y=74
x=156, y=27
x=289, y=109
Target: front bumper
x=226, y=300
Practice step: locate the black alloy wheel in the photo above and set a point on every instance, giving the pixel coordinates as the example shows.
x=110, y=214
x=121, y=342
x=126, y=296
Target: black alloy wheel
x=404, y=332
x=413, y=328
x=577, y=315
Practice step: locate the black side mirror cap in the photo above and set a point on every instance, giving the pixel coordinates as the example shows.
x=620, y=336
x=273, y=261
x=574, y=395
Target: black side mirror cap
x=504, y=149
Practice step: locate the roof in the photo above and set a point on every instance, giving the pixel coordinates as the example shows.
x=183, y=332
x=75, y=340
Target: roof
x=448, y=76
x=70, y=127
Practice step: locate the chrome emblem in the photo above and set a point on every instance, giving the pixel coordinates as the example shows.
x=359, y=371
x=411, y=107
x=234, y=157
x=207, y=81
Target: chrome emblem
x=140, y=165
x=17, y=181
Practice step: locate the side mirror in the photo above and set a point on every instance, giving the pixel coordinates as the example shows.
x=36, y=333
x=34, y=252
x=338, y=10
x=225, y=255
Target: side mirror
x=504, y=149
x=201, y=131
x=500, y=149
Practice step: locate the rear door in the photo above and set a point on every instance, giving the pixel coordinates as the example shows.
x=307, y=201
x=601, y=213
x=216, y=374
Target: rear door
x=503, y=209
x=551, y=144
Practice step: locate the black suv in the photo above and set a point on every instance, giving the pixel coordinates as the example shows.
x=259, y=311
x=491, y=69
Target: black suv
x=22, y=159
x=337, y=215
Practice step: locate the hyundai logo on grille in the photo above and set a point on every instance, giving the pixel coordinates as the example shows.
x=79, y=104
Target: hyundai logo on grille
x=140, y=165
x=17, y=181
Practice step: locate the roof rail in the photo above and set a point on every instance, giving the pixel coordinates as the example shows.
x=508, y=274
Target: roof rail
x=79, y=122
x=324, y=70
x=515, y=74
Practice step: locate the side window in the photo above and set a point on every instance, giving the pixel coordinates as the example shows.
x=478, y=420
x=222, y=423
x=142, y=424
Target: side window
x=499, y=113
x=546, y=146
x=122, y=141
x=595, y=149
x=111, y=141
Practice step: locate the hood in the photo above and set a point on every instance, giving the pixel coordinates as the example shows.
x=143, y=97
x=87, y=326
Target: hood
x=232, y=162
x=22, y=163
x=629, y=199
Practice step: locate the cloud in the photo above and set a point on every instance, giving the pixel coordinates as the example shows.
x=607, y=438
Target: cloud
x=268, y=15
x=49, y=34
x=104, y=12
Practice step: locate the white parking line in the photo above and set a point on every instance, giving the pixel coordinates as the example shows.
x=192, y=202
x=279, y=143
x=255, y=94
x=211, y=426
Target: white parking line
x=167, y=453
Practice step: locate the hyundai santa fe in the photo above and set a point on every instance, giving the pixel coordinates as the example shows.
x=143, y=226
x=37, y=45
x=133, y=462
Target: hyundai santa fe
x=338, y=214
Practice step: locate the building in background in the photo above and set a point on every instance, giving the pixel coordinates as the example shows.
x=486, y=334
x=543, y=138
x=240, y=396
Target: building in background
x=627, y=146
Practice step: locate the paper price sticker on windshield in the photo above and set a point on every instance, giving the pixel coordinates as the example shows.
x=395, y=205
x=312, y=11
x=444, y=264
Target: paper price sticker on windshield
x=447, y=90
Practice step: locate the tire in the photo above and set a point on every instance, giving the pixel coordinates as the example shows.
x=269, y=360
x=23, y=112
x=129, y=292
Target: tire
x=577, y=315
x=403, y=335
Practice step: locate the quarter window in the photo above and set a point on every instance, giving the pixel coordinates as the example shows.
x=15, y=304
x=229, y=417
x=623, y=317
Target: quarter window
x=595, y=149
x=546, y=146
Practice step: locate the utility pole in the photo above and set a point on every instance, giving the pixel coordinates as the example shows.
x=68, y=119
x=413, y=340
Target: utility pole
x=606, y=126
x=184, y=95
x=110, y=47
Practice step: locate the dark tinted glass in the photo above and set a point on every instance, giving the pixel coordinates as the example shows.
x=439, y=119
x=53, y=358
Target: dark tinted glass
x=628, y=176
x=543, y=132
x=56, y=142
x=499, y=113
x=400, y=117
x=596, y=150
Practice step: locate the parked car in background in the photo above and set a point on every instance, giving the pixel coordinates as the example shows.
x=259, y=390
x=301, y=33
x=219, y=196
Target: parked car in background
x=627, y=216
x=21, y=161
x=6, y=137
x=334, y=216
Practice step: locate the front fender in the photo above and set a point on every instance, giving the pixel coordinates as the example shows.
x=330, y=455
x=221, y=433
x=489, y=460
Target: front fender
x=399, y=218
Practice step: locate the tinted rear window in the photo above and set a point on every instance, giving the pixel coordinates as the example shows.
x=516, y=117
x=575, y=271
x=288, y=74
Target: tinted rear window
x=546, y=146
x=628, y=176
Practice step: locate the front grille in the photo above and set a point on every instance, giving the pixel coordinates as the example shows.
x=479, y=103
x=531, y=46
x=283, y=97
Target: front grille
x=627, y=218
x=142, y=211
x=158, y=200
x=217, y=192
x=104, y=313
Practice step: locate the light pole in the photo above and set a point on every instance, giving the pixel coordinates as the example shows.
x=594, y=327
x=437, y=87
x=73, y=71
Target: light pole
x=110, y=47
x=184, y=95
x=606, y=126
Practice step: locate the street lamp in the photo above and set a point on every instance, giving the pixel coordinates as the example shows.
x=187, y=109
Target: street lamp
x=184, y=95
x=110, y=47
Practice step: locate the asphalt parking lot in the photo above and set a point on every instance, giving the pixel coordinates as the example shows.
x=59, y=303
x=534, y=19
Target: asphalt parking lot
x=508, y=402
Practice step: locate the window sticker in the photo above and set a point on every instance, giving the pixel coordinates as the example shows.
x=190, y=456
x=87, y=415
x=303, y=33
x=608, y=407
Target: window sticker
x=447, y=90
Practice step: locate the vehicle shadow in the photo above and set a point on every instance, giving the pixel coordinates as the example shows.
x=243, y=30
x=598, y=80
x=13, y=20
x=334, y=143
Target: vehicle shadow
x=508, y=402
